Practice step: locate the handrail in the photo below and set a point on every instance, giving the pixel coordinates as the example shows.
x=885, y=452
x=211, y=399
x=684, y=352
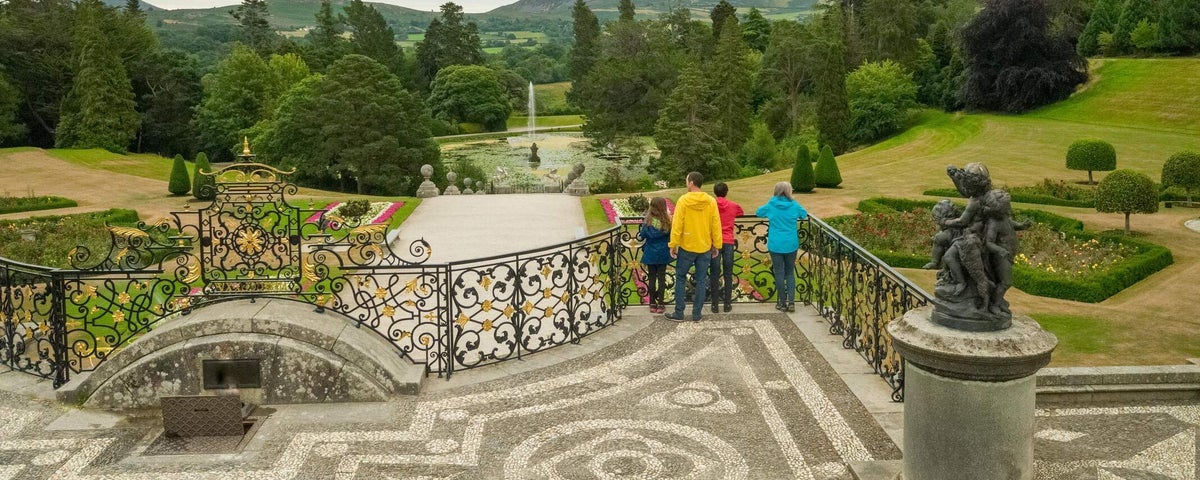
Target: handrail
x=870, y=256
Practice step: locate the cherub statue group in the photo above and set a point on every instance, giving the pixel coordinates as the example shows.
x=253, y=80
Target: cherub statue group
x=974, y=252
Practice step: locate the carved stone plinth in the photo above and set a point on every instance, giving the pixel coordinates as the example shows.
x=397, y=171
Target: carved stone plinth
x=969, y=397
x=578, y=188
x=427, y=189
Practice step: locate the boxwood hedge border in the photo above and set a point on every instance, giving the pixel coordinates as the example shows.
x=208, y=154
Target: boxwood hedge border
x=1148, y=259
x=38, y=203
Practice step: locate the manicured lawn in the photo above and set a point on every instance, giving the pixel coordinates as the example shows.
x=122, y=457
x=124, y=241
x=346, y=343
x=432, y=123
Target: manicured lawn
x=145, y=165
x=1077, y=336
x=593, y=213
x=548, y=121
x=1148, y=109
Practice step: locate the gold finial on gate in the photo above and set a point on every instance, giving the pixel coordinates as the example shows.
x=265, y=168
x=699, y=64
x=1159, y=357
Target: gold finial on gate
x=245, y=146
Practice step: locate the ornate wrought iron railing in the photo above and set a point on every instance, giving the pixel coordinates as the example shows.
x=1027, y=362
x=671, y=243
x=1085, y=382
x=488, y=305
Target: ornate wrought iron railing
x=251, y=242
x=855, y=291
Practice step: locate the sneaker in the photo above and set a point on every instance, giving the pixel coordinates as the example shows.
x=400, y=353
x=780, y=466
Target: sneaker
x=674, y=317
x=714, y=308
x=728, y=308
x=780, y=307
x=696, y=318
x=791, y=308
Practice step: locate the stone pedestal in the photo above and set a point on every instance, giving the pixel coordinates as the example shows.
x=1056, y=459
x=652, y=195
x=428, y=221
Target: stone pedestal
x=578, y=188
x=427, y=189
x=969, y=397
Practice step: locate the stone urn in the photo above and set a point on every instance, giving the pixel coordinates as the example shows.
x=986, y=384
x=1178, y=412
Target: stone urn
x=451, y=188
x=427, y=188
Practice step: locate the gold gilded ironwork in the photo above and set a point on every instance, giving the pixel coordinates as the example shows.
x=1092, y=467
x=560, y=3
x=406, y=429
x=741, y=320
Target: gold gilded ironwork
x=389, y=311
x=547, y=293
x=123, y=298
x=309, y=272
x=509, y=311
x=250, y=241
x=527, y=307
x=486, y=283
x=193, y=273
x=486, y=306
x=487, y=325
x=546, y=271
x=462, y=320
x=118, y=316
x=127, y=233
x=380, y=293
x=548, y=312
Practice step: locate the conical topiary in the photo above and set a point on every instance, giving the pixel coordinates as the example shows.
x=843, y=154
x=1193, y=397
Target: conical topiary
x=802, y=171
x=180, y=183
x=204, y=187
x=827, y=174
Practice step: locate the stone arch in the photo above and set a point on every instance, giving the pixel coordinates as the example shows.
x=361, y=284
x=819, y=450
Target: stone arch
x=304, y=357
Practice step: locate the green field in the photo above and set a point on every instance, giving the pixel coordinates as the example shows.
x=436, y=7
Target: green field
x=549, y=121
x=144, y=165
x=1148, y=109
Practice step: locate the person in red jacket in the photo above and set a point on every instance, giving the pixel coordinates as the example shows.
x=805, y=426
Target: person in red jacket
x=720, y=272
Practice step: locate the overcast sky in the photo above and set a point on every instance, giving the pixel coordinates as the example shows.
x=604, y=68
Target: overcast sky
x=470, y=6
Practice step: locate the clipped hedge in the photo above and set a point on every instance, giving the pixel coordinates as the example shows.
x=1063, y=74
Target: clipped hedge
x=1019, y=198
x=1150, y=257
x=30, y=204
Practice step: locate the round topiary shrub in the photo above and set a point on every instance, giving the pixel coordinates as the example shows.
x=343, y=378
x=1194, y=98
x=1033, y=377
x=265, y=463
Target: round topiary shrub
x=827, y=174
x=1091, y=155
x=180, y=184
x=204, y=187
x=802, y=171
x=1126, y=191
x=1182, y=170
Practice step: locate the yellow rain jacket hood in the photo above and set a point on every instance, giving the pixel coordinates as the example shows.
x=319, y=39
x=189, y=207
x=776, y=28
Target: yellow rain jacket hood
x=696, y=226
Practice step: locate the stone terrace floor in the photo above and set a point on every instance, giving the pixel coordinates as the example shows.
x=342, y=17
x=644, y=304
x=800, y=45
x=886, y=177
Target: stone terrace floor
x=740, y=396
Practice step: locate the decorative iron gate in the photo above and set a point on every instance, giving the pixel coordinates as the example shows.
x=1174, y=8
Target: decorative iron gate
x=250, y=241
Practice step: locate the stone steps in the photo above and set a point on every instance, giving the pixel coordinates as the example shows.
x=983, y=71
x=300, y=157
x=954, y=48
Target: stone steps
x=1117, y=384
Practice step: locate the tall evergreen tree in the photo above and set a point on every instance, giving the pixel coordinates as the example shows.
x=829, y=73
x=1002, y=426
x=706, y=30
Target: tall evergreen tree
x=826, y=174
x=1132, y=12
x=325, y=42
x=1013, y=63
x=684, y=129
x=236, y=96
x=37, y=58
x=756, y=30
x=99, y=111
x=254, y=28
x=719, y=15
x=372, y=37
x=787, y=68
x=11, y=128
x=133, y=7
x=168, y=89
x=1179, y=26
x=890, y=31
x=625, y=11
x=448, y=41
x=1103, y=19
x=730, y=75
x=180, y=183
x=833, y=110
x=586, y=28
x=354, y=128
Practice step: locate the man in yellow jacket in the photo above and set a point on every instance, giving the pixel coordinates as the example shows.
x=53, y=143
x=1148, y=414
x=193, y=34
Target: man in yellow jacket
x=695, y=240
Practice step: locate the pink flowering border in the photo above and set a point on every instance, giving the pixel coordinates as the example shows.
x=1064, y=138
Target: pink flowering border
x=382, y=217
x=610, y=211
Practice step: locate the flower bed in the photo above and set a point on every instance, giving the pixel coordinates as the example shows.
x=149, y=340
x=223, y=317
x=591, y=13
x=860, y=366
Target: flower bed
x=56, y=236
x=619, y=207
x=1057, y=258
x=380, y=212
x=29, y=204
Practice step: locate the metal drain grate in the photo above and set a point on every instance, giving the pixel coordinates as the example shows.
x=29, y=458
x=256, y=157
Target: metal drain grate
x=172, y=445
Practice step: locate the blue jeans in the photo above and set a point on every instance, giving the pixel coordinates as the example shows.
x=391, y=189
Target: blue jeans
x=720, y=275
x=685, y=261
x=783, y=265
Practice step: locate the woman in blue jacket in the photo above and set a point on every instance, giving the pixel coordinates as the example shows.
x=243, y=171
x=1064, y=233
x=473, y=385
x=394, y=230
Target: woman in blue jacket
x=656, y=231
x=783, y=241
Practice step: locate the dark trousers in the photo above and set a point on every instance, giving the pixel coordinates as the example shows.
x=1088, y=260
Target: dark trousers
x=720, y=276
x=783, y=265
x=684, y=262
x=656, y=278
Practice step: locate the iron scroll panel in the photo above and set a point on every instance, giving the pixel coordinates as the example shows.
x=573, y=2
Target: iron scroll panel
x=31, y=321
x=250, y=240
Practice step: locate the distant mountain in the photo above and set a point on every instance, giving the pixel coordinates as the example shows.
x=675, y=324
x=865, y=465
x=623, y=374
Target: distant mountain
x=146, y=7
x=775, y=9
x=285, y=14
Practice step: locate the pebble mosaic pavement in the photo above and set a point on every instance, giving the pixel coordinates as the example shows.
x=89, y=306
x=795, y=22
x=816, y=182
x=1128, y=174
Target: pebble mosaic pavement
x=742, y=397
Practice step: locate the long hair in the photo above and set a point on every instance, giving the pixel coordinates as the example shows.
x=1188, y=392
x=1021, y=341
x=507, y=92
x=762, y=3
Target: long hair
x=783, y=190
x=657, y=214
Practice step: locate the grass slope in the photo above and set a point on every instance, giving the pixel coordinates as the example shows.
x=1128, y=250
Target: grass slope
x=1148, y=109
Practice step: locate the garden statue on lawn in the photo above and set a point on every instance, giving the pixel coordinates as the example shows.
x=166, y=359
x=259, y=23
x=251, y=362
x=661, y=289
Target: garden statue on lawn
x=576, y=185
x=534, y=160
x=974, y=254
